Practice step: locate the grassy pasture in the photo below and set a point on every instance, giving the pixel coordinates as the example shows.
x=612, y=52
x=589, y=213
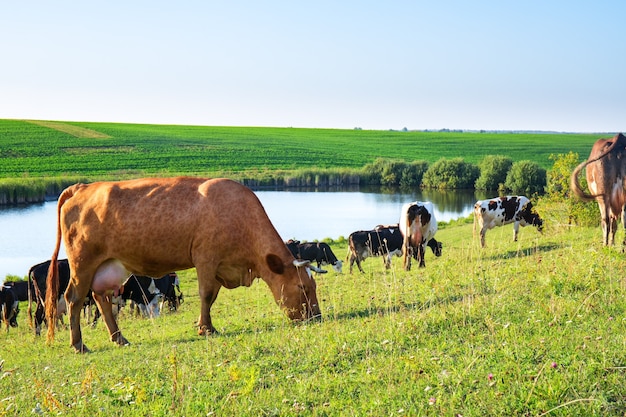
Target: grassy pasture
x=113, y=150
x=534, y=327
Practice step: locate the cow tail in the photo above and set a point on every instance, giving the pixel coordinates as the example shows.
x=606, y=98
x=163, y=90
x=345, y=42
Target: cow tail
x=475, y=221
x=575, y=184
x=30, y=299
x=52, y=281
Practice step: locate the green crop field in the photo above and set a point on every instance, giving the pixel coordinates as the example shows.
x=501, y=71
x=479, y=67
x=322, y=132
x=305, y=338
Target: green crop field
x=531, y=328
x=96, y=150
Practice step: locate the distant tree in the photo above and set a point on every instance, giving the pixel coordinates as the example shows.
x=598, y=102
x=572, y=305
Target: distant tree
x=493, y=171
x=526, y=177
x=451, y=174
x=558, y=176
x=413, y=173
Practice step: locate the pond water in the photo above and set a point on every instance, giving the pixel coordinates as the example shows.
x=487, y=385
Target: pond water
x=29, y=233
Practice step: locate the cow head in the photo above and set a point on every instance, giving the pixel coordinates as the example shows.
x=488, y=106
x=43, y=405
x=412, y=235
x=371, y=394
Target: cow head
x=532, y=217
x=337, y=266
x=435, y=246
x=294, y=288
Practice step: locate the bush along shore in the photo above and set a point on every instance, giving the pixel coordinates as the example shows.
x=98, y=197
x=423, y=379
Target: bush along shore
x=523, y=177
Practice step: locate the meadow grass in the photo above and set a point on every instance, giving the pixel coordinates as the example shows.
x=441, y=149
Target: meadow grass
x=534, y=327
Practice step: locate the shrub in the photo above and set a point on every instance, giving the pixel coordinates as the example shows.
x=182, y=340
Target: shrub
x=452, y=173
x=493, y=171
x=394, y=172
x=413, y=173
x=583, y=213
x=526, y=177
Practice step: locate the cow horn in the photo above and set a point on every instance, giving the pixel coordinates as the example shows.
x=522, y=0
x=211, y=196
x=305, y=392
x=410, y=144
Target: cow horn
x=299, y=263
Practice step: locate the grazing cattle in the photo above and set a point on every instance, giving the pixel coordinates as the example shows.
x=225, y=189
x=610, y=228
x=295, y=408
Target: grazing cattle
x=504, y=210
x=142, y=292
x=606, y=179
x=382, y=241
x=37, y=275
x=143, y=295
x=156, y=225
x=169, y=286
x=20, y=289
x=418, y=227
x=318, y=252
x=9, y=307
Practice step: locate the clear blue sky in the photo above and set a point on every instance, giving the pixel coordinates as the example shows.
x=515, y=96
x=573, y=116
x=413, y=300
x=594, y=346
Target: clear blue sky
x=533, y=65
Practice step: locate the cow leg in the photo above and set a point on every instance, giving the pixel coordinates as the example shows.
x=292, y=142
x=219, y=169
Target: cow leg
x=387, y=260
x=75, y=300
x=624, y=226
x=483, y=231
x=356, y=259
x=408, y=252
x=209, y=288
x=604, y=213
x=515, y=231
x=106, y=310
x=613, y=229
x=421, y=253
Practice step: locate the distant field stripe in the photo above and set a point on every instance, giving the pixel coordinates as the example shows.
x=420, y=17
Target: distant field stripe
x=79, y=132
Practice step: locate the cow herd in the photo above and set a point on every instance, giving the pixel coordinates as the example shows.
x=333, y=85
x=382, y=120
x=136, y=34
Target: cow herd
x=52, y=286
x=146, y=296
x=220, y=228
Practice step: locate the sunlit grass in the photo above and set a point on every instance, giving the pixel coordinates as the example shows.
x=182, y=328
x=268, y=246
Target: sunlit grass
x=534, y=327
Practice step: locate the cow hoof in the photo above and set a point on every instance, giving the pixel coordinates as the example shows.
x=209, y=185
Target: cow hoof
x=81, y=348
x=207, y=331
x=119, y=339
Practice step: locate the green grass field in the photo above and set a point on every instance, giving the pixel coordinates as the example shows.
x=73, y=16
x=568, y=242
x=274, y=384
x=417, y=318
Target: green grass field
x=532, y=328
x=97, y=150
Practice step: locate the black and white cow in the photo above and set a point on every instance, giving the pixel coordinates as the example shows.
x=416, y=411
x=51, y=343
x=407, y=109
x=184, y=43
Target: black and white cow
x=143, y=294
x=169, y=286
x=504, y=210
x=37, y=275
x=134, y=290
x=146, y=295
x=383, y=241
x=318, y=252
x=9, y=307
x=418, y=226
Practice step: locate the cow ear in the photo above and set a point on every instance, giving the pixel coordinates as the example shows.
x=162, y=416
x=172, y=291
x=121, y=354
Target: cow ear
x=275, y=263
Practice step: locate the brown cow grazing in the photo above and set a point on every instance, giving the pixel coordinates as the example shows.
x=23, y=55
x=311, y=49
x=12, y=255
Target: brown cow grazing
x=606, y=178
x=157, y=225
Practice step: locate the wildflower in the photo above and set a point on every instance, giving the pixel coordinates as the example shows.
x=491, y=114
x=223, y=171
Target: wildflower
x=553, y=365
x=432, y=401
x=490, y=377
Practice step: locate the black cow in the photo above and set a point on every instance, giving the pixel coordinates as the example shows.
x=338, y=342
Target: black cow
x=170, y=288
x=37, y=275
x=20, y=288
x=9, y=307
x=318, y=252
x=382, y=241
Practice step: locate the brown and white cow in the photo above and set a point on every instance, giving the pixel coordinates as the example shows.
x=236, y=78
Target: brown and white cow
x=156, y=225
x=418, y=227
x=504, y=210
x=606, y=179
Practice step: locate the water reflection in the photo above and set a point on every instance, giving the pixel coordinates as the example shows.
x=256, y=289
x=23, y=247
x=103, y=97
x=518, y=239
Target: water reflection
x=29, y=232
